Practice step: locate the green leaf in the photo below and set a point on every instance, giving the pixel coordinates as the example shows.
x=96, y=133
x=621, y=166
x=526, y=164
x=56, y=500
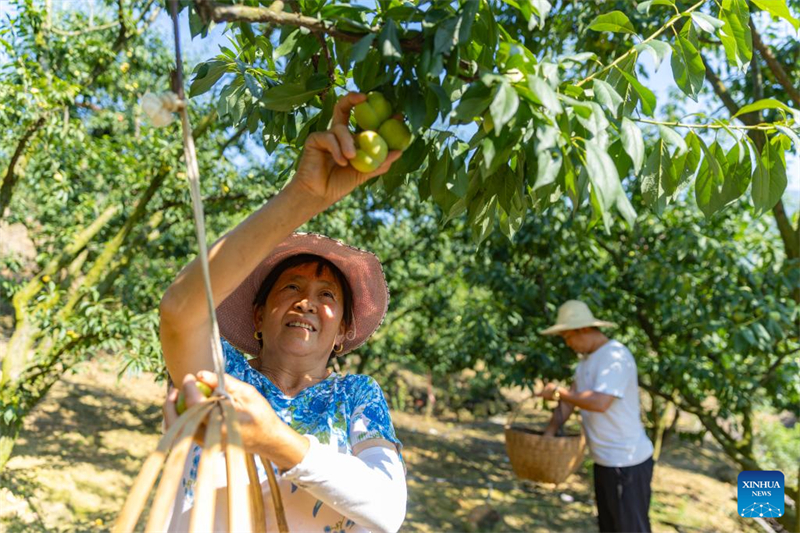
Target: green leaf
x=542, y=90
x=768, y=103
x=361, y=48
x=791, y=135
x=252, y=85
x=473, y=102
x=737, y=175
x=735, y=34
x=687, y=67
x=644, y=7
x=290, y=95
x=614, y=22
x=769, y=179
x=441, y=173
x=540, y=8
x=607, y=96
x=547, y=169
x=646, y=96
x=708, y=184
x=367, y=73
x=596, y=123
x=445, y=38
x=444, y=100
x=468, y=11
x=410, y=161
x=389, y=41
x=633, y=142
x=707, y=23
x=656, y=177
x=779, y=9
x=326, y=113
x=658, y=49
x=414, y=108
x=687, y=165
x=603, y=175
x=207, y=75
x=288, y=44
x=504, y=106
x=673, y=139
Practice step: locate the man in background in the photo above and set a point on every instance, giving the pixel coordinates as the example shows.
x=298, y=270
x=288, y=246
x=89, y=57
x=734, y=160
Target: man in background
x=606, y=389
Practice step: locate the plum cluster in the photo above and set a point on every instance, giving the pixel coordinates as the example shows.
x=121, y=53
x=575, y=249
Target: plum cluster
x=380, y=132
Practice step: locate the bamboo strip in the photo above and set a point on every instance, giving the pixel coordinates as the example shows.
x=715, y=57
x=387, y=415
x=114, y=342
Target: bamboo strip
x=202, y=517
x=236, y=470
x=171, y=476
x=277, y=501
x=149, y=473
x=256, y=497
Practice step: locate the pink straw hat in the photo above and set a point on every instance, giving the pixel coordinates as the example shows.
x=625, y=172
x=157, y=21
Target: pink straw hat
x=362, y=269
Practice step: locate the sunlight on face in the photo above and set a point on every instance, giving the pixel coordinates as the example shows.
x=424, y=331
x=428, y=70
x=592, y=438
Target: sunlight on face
x=304, y=310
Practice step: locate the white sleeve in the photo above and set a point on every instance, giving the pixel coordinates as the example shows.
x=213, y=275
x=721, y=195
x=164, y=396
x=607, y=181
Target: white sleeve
x=368, y=488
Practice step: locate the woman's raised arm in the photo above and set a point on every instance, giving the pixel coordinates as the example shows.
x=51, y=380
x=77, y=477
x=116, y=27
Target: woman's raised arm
x=323, y=176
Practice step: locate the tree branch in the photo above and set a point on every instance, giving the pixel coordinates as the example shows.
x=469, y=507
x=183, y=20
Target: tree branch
x=209, y=10
x=789, y=235
x=776, y=68
x=76, y=33
x=10, y=180
x=331, y=75
x=723, y=94
x=774, y=366
x=671, y=22
x=765, y=126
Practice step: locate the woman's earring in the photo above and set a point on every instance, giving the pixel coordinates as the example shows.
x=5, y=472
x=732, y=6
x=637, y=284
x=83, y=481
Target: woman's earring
x=257, y=335
x=339, y=350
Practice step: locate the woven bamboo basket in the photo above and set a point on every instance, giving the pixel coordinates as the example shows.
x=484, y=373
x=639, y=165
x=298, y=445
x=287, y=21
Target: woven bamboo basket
x=245, y=503
x=544, y=459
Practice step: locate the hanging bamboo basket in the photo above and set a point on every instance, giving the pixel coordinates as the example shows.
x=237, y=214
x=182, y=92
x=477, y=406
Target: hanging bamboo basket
x=245, y=503
x=539, y=458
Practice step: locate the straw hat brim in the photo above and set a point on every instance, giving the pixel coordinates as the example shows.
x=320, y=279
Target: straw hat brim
x=362, y=269
x=558, y=328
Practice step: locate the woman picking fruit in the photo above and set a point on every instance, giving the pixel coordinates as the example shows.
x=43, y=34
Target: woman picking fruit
x=293, y=301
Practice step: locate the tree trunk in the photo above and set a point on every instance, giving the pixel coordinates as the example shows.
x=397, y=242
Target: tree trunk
x=431, y=403
x=8, y=436
x=658, y=417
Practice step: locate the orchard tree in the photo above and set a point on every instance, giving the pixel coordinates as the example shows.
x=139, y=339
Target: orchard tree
x=552, y=125
x=95, y=187
x=705, y=305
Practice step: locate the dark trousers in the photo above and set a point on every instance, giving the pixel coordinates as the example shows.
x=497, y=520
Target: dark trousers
x=623, y=497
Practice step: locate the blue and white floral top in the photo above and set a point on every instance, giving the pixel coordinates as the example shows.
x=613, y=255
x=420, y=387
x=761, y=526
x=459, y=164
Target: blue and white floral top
x=342, y=411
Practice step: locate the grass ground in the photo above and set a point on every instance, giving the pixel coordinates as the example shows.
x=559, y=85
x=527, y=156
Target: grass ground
x=82, y=448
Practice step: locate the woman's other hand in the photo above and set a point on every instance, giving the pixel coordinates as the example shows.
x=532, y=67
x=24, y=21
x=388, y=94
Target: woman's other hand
x=324, y=172
x=263, y=432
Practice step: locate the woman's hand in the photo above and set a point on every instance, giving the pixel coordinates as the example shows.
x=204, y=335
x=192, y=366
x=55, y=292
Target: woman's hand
x=324, y=172
x=263, y=433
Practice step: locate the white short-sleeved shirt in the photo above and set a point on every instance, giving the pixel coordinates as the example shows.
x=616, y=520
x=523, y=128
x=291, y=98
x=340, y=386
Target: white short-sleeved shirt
x=616, y=437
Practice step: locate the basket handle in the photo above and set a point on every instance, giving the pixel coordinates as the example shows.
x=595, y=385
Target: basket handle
x=515, y=412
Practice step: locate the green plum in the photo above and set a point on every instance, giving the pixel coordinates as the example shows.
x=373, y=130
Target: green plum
x=371, y=151
x=396, y=134
x=180, y=405
x=372, y=113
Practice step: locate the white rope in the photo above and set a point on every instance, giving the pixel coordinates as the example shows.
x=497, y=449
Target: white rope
x=193, y=174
